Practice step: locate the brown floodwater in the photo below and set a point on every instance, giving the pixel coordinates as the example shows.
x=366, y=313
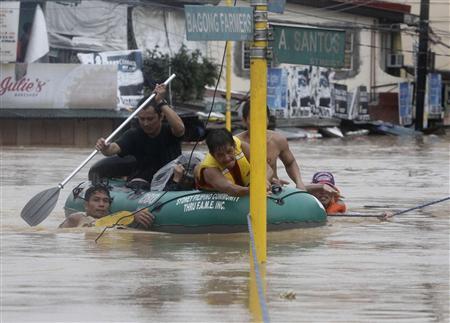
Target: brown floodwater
x=349, y=270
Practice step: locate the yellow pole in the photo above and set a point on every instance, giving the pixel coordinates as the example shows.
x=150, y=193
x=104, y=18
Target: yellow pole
x=253, y=297
x=228, y=81
x=258, y=119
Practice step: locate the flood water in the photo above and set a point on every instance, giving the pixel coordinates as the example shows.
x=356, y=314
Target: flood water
x=349, y=270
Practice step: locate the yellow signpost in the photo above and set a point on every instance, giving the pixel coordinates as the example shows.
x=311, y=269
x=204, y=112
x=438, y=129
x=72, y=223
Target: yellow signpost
x=228, y=94
x=258, y=121
x=208, y=23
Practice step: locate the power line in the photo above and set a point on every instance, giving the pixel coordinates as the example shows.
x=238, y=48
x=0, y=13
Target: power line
x=345, y=22
x=397, y=50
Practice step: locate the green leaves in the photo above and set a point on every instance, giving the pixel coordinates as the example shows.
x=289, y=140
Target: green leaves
x=193, y=72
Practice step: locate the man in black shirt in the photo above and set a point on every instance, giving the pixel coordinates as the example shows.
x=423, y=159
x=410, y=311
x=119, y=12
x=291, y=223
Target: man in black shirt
x=152, y=143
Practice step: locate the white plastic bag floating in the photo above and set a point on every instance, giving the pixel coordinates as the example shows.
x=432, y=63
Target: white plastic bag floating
x=163, y=175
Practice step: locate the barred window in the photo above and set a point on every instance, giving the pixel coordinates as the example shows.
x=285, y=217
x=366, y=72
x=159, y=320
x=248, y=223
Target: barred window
x=348, y=58
x=246, y=56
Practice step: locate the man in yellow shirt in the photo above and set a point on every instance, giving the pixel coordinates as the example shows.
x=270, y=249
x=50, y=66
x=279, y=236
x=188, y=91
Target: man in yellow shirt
x=226, y=167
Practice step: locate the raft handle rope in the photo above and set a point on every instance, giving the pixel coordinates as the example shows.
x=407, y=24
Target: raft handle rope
x=158, y=206
x=396, y=213
x=261, y=297
x=280, y=201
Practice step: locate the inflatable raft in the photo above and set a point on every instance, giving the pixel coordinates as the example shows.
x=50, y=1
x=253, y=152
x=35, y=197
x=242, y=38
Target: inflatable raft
x=207, y=212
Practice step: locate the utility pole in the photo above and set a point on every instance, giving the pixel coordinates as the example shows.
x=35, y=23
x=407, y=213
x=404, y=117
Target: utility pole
x=422, y=62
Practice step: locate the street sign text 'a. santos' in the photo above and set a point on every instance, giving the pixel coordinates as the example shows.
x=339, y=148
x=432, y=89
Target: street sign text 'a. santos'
x=308, y=46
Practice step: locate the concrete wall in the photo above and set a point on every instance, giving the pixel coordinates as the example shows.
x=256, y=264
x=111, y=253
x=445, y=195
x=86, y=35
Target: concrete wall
x=439, y=23
x=55, y=132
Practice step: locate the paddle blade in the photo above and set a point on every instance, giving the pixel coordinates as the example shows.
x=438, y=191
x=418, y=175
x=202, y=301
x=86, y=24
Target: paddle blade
x=40, y=206
x=118, y=218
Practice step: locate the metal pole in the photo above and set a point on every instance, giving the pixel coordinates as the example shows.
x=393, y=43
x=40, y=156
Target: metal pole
x=228, y=82
x=258, y=120
x=422, y=62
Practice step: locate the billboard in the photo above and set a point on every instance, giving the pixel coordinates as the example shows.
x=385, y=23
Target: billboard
x=309, y=91
x=9, y=29
x=277, y=92
x=130, y=80
x=59, y=86
x=434, y=93
x=405, y=97
x=340, y=101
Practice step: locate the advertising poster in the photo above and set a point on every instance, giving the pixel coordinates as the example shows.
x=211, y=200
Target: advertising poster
x=130, y=79
x=277, y=92
x=59, y=86
x=340, y=100
x=405, y=95
x=434, y=93
x=299, y=92
x=309, y=91
x=9, y=29
x=363, y=104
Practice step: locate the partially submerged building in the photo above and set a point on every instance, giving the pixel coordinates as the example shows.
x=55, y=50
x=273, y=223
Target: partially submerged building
x=55, y=99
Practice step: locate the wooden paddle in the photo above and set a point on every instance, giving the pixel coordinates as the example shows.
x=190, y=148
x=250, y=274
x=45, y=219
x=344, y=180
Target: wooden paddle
x=39, y=207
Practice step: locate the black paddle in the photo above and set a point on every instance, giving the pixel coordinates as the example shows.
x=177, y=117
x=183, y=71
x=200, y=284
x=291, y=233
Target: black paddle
x=39, y=207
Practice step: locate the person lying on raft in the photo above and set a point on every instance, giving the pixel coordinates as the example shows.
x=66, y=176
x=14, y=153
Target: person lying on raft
x=226, y=167
x=97, y=204
x=324, y=189
x=277, y=147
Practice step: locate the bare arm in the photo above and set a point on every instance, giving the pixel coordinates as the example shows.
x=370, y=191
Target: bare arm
x=269, y=171
x=246, y=149
x=320, y=188
x=289, y=162
x=107, y=149
x=214, y=178
x=73, y=220
x=174, y=120
x=144, y=217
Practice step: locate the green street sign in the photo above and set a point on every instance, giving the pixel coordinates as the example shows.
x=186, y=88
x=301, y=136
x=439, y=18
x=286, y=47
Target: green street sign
x=308, y=46
x=218, y=23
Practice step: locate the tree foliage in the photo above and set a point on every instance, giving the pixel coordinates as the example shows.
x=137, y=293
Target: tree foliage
x=193, y=72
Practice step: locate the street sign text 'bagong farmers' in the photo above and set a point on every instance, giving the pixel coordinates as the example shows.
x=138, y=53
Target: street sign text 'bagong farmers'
x=219, y=23
x=309, y=46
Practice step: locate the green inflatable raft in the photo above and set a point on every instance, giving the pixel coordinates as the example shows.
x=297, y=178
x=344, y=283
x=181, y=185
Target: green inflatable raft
x=207, y=212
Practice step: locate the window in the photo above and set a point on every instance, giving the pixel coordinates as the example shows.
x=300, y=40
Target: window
x=348, y=58
x=246, y=56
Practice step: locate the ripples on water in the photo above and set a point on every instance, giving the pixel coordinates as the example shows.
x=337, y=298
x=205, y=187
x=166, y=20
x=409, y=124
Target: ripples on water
x=350, y=270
